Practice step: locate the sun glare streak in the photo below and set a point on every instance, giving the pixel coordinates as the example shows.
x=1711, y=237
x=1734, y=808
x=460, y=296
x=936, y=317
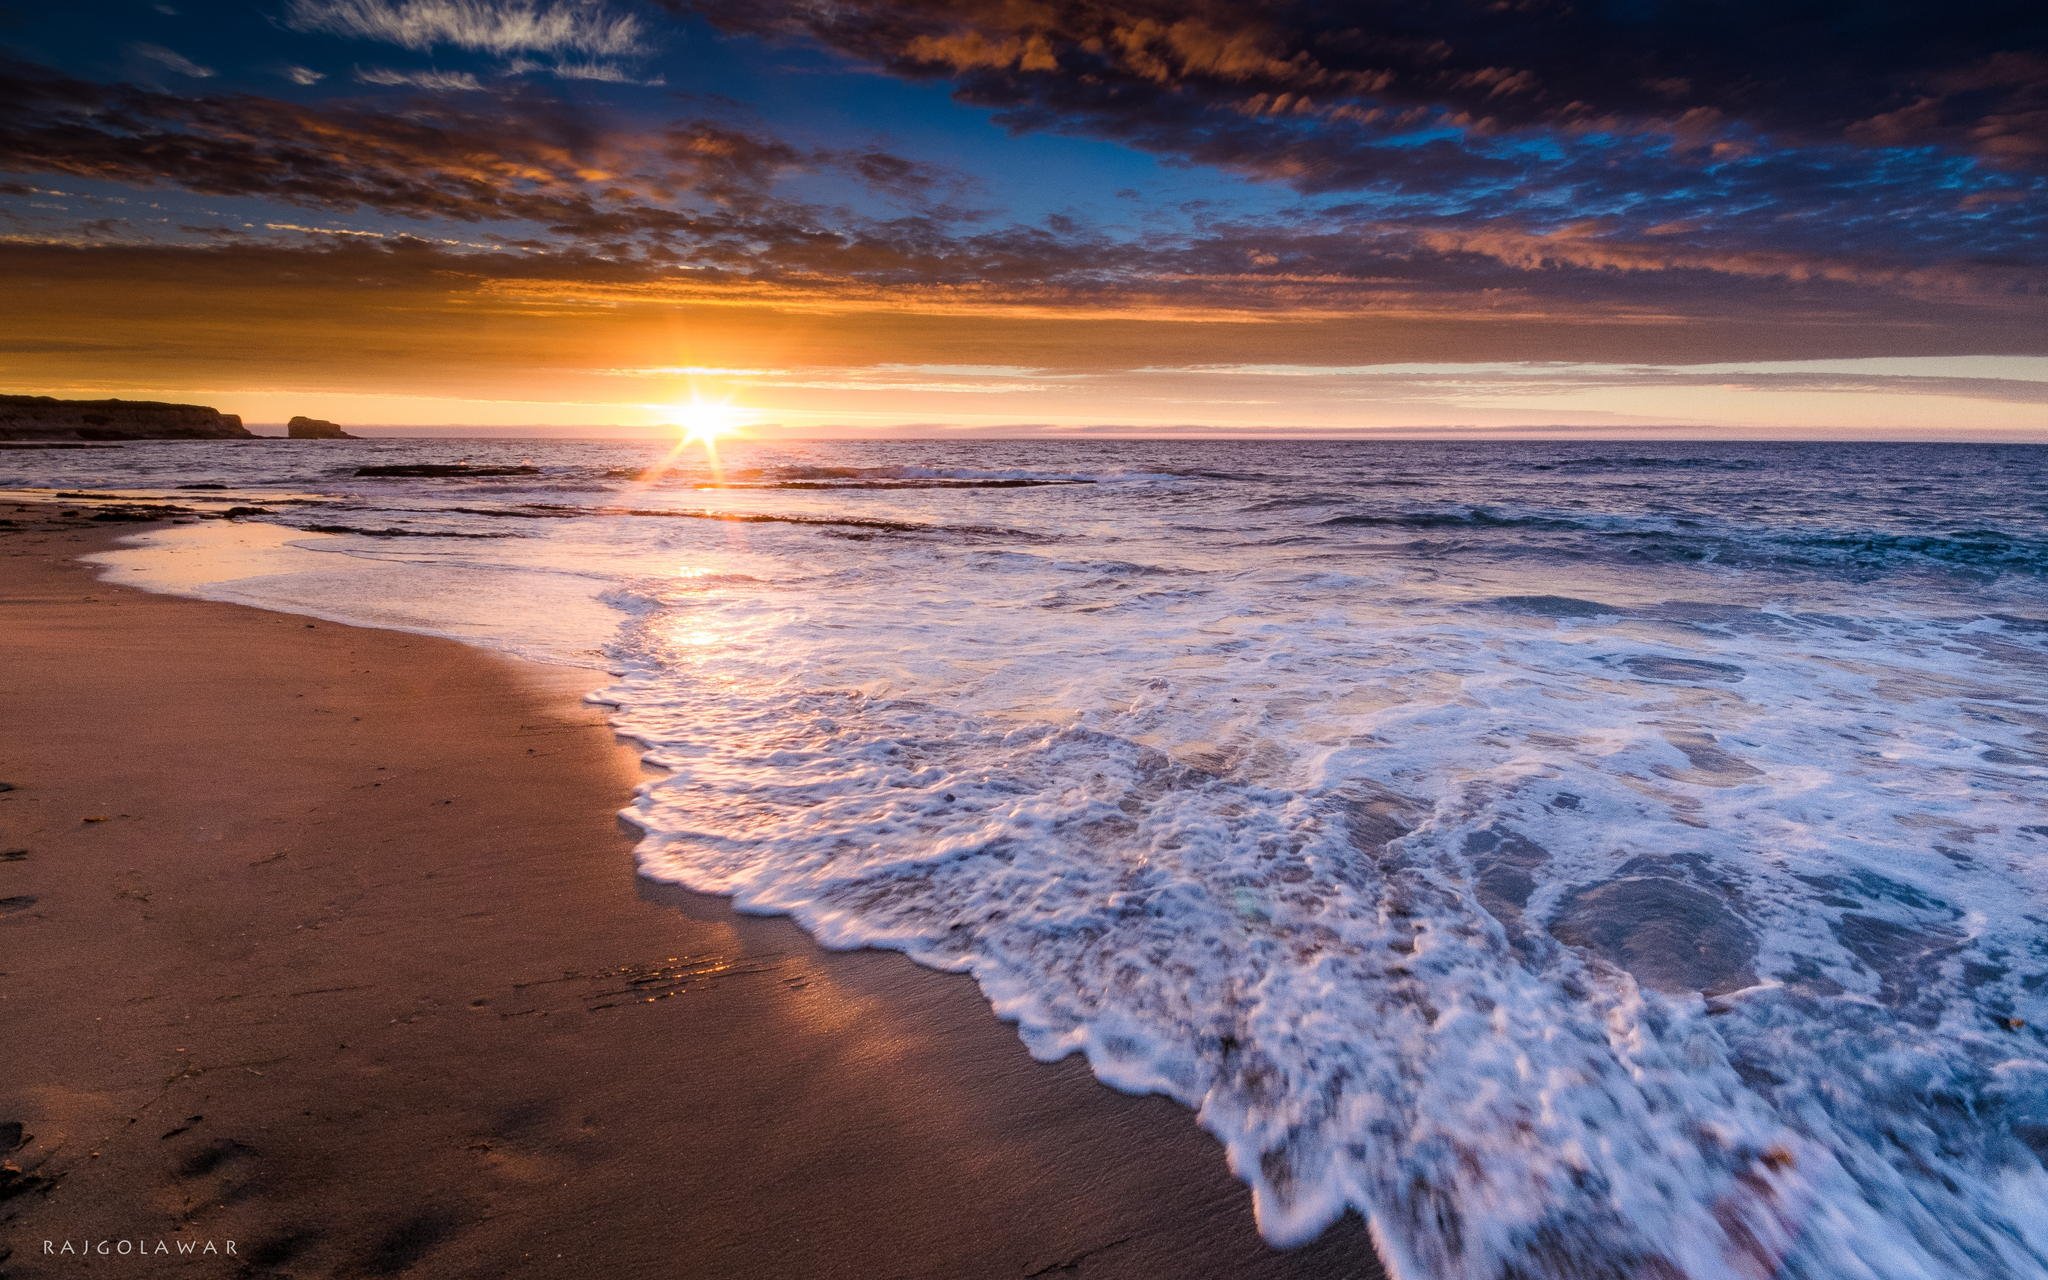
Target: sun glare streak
x=705, y=421
x=697, y=421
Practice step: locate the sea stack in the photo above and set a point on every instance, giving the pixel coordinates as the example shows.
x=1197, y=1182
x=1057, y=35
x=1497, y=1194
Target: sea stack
x=47, y=418
x=304, y=428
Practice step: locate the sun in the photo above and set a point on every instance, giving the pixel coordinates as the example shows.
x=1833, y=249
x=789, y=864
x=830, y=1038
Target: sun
x=706, y=422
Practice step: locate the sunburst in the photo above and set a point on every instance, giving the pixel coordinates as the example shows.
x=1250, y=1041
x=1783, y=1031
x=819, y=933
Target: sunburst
x=703, y=421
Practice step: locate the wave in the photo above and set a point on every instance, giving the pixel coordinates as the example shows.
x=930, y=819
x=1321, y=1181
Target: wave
x=1970, y=548
x=865, y=524
x=862, y=524
x=1680, y=539
x=1855, y=553
x=1651, y=463
x=800, y=473
x=1554, y=606
x=992, y=483
x=1469, y=518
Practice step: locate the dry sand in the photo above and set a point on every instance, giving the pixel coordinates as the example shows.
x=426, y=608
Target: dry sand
x=326, y=941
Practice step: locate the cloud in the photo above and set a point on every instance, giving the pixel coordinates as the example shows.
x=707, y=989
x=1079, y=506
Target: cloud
x=1526, y=110
x=1493, y=66
x=695, y=191
x=586, y=69
x=1528, y=380
x=172, y=60
x=590, y=302
x=303, y=75
x=323, y=231
x=704, y=211
x=500, y=27
x=461, y=81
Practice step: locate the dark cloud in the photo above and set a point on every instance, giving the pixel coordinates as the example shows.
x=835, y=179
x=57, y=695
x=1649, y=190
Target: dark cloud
x=1882, y=120
x=1813, y=68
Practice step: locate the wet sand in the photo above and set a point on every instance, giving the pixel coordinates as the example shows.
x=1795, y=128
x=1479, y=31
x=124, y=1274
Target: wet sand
x=326, y=941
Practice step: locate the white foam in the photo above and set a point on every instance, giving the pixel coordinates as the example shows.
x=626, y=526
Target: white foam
x=1352, y=1022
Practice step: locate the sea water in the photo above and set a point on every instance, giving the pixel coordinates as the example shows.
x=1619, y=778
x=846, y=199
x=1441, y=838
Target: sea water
x=1582, y=860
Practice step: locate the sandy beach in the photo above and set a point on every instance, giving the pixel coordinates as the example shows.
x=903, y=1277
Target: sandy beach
x=326, y=942
x=1059, y=638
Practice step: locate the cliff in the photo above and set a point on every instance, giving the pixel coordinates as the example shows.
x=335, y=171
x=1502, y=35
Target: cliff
x=304, y=428
x=45, y=418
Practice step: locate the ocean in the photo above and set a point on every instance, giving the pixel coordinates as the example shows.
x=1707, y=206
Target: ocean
x=1583, y=860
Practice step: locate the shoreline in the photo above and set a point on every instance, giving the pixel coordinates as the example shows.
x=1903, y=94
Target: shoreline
x=327, y=940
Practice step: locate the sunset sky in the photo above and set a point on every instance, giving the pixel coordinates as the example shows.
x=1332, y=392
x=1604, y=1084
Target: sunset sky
x=1738, y=217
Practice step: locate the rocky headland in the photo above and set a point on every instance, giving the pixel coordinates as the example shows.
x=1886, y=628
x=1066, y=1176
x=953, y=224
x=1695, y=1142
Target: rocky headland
x=41, y=418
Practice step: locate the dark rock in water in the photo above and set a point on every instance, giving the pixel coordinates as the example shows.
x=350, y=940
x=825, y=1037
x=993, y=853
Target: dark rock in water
x=304, y=428
x=136, y=514
x=394, y=531
x=1672, y=936
x=43, y=418
x=425, y=470
x=115, y=512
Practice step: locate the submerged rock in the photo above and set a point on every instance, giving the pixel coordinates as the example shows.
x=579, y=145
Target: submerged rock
x=420, y=470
